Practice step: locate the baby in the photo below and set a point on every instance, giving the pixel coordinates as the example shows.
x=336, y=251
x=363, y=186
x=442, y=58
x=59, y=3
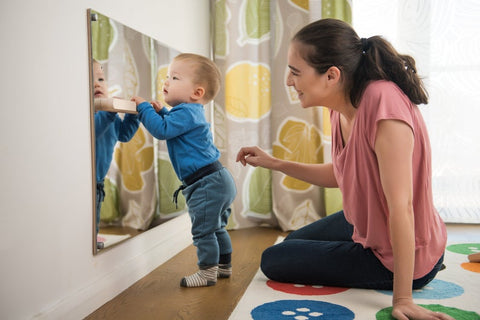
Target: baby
x=109, y=128
x=208, y=187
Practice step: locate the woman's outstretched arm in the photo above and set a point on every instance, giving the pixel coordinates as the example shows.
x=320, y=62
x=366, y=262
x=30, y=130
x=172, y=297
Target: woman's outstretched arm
x=320, y=174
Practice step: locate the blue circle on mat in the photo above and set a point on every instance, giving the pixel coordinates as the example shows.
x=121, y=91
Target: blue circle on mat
x=301, y=310
x=436, y=289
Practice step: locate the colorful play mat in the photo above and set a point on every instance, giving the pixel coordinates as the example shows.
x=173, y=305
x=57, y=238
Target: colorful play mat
x=455, y=291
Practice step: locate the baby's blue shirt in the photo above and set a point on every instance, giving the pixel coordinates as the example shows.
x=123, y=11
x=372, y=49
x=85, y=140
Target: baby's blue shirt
x=110, y=128
x=187, y=132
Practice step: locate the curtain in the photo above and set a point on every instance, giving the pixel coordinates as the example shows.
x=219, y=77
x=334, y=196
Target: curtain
x=256, y=107
x=442, y=37
x=141, y=179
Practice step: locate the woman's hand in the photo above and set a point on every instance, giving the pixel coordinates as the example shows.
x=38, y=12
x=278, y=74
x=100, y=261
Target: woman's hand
x=319, y=174
x=408, y=310
x=255, y=157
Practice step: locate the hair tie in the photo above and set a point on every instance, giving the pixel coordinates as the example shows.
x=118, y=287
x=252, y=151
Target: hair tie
x=365, y=45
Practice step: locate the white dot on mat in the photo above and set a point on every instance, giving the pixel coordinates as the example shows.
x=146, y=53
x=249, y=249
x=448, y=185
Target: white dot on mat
x=315, y=314
x=303, y=309
x=288, y=313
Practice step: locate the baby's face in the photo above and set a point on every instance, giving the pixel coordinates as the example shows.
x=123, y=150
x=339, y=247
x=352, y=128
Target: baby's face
x=179, y=86
x=100, y=89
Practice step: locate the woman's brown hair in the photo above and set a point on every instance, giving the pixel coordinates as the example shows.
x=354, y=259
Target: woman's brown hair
x=332, y=42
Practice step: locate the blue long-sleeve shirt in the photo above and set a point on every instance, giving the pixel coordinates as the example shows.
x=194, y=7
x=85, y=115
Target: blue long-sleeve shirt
x=110, y=128
x=187, y=133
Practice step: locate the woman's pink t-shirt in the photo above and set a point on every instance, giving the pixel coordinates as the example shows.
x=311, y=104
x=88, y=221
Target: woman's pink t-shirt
x=357, y=173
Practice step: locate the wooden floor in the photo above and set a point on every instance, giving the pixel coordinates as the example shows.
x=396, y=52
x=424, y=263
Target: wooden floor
x=159, y=295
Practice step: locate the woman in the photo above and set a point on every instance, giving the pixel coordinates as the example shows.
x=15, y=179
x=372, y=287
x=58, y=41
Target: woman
x=389, y=235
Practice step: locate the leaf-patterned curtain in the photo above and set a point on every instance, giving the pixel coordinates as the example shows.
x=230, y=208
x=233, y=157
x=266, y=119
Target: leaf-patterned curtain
x=256, y=107
x=141, y=179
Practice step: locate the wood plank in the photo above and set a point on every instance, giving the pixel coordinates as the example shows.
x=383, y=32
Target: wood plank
x=159, y=295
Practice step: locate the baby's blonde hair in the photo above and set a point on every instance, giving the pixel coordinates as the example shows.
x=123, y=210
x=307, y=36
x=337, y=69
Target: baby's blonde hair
x=206, y=74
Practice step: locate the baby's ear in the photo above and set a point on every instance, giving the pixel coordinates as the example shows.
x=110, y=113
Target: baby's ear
x=198, y=93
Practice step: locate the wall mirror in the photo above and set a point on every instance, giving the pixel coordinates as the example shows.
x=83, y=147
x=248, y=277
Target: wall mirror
x=139, y=180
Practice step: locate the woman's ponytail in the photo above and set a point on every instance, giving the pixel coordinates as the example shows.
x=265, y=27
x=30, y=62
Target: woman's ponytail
x=380, y=61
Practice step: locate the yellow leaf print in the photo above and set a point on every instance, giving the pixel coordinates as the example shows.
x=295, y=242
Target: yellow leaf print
x=131, y=167
x=298, y=141
x=247, y=91
x=302, y=4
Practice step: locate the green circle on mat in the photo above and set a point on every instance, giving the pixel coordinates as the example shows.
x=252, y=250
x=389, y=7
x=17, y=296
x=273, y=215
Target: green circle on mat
x=464, y=248
x=386, y=314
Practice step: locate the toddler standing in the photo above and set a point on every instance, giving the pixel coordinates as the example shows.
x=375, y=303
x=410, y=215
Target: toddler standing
x=208, y=187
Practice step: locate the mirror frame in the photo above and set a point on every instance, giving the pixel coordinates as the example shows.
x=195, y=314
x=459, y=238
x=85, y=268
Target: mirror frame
x=92, y=129
x=156, y=219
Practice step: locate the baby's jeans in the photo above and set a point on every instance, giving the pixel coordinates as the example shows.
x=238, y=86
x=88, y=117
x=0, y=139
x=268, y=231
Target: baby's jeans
x=323, y=253
x=209, y=201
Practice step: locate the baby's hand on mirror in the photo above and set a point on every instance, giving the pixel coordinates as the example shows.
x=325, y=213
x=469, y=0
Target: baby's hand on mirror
x=156, y=105
x=137, y=100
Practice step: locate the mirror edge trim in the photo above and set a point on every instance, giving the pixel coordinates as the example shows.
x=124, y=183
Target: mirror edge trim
x=92, y=130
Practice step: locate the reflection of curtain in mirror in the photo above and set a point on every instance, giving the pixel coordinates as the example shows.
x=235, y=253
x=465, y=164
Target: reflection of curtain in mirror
x=133, y=187
x=257, y=108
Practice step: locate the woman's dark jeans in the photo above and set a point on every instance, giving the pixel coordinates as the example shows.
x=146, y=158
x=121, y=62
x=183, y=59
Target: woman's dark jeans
x=323, y=253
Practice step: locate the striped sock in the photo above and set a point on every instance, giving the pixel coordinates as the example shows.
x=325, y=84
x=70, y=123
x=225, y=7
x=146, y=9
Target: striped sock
x=202, y=278
x=224, y=270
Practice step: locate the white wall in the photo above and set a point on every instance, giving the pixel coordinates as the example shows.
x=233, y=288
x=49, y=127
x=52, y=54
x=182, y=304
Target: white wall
x=47, y=270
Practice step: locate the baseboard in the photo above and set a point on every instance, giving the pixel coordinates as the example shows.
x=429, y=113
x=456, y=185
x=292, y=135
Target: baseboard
x=102, y=289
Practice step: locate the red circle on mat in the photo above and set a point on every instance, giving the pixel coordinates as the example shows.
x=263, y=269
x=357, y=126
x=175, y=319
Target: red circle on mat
x=304, y=290
x=471, y=266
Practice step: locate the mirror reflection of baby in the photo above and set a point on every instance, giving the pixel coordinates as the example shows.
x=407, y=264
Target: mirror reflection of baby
x=109, y=128
x=208, y=187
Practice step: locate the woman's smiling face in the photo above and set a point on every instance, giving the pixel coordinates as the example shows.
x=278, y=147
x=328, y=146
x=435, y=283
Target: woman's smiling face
x=310, y=86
